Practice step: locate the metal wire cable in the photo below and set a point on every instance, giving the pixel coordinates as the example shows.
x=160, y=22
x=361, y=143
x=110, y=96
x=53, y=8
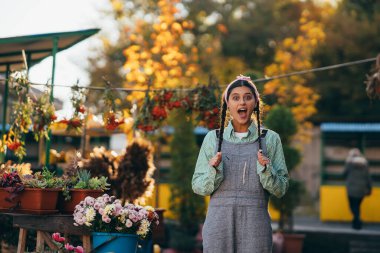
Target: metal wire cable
x=264, y=79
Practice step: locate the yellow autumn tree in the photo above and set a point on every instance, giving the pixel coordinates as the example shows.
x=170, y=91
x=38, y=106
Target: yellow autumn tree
x=294, y=54
x=158, y=50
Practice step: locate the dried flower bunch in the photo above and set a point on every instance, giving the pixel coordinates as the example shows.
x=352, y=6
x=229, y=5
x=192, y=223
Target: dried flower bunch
x=38, y=113
x=43, y=116
x=134, y=181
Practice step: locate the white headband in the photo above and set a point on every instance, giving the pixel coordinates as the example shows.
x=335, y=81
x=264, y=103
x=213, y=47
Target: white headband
x=242, y=78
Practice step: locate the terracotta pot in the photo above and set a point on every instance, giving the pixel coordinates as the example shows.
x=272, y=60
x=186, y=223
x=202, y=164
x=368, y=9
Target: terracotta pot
x=77, y=195
x=39, y=199
x=31, y=200
x=5, y=203
x=293, y=243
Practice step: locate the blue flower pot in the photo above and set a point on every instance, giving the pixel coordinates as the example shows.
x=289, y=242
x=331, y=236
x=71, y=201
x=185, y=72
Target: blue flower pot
x=145, y=246
x=114, y=242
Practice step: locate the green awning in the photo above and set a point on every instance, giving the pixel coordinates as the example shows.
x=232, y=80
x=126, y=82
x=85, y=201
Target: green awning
x=37, y=47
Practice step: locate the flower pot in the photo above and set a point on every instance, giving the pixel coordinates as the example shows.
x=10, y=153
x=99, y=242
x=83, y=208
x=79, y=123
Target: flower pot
x=5, y=202
x=114, y=242
x=77, y=195
x=145, y=246
x=32, y=200
x=293, y=243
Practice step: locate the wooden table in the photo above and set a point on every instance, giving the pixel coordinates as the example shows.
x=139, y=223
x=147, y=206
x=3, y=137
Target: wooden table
x=45, y=225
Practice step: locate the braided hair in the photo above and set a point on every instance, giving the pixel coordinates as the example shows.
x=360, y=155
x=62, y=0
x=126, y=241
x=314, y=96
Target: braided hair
x=239, y=82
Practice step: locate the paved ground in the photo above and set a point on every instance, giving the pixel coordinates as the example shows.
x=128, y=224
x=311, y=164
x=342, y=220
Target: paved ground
x=313, y=224
x=336, y=237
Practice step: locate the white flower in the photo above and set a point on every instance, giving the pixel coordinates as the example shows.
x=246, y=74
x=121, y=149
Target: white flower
x=144, y=228
x=90, y=214
x=150, y=209
x=108, y=210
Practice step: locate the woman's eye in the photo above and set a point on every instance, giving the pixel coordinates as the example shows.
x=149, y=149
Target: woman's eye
x=235, y=98
x=248, y=98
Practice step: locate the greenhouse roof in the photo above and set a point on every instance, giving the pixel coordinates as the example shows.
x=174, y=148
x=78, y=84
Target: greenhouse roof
x=36, y=47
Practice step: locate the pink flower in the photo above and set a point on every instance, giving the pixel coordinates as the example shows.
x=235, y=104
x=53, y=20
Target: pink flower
x=57, y=237
x=96, y=206
x=129, y=223
x=89, y=200
x=79, y=249
x=69, y=247
x=106, y=219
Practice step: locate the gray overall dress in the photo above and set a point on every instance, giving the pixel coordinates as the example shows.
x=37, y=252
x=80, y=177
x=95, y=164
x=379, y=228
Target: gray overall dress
x=237, y=219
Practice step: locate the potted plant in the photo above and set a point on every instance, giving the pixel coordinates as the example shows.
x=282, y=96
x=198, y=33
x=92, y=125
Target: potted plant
x=10, y=185
x=9, y=234
x=40, y=194
x=115, y=228
x=77, y=188
x=281, y=120
x=33, y=193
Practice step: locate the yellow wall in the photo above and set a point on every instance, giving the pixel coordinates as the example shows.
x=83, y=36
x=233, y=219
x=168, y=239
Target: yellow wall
x=164, y=202
x=334, y=204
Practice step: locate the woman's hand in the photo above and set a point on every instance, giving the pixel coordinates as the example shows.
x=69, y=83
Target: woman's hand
x=263, y=160
x=215, y=161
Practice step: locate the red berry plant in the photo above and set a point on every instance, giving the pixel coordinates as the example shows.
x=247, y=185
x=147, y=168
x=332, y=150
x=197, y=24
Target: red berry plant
x=111, y=118
x=153, y=111
x=78, y=98
x=206, y=103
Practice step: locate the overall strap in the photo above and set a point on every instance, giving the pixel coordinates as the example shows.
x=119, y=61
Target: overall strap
x=217, y=132
x=263, y=141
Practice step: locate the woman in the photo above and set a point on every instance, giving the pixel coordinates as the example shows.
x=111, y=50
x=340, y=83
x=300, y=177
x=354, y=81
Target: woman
x=358, y=183
x=232, y=169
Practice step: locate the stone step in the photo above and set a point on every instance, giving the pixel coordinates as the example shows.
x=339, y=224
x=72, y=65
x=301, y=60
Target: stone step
x=364, y=246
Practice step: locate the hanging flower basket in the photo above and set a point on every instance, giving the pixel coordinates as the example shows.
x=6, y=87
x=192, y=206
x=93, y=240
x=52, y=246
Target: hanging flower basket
x=112, y=121
x=373, y=82
x=206, y=103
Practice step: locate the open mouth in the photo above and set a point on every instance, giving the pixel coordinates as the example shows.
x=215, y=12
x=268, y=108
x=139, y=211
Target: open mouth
x=242, y=112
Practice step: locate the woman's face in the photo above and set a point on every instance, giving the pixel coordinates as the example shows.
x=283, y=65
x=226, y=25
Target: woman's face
x=241, y=103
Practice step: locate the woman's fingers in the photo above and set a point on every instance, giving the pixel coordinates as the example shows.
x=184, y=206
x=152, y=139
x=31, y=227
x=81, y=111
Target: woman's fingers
x=215, y=161
x=262, y=159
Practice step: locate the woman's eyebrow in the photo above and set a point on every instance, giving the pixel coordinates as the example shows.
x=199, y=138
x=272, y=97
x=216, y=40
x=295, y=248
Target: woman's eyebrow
x=247, y=93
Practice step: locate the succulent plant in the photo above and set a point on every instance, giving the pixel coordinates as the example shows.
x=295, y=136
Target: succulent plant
x=44, y=179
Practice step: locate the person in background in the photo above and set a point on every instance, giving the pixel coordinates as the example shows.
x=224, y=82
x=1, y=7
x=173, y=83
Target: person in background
x=358, y=183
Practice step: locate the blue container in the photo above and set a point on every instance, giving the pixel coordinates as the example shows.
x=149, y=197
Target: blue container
x=114, y=242
x=145, y=246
